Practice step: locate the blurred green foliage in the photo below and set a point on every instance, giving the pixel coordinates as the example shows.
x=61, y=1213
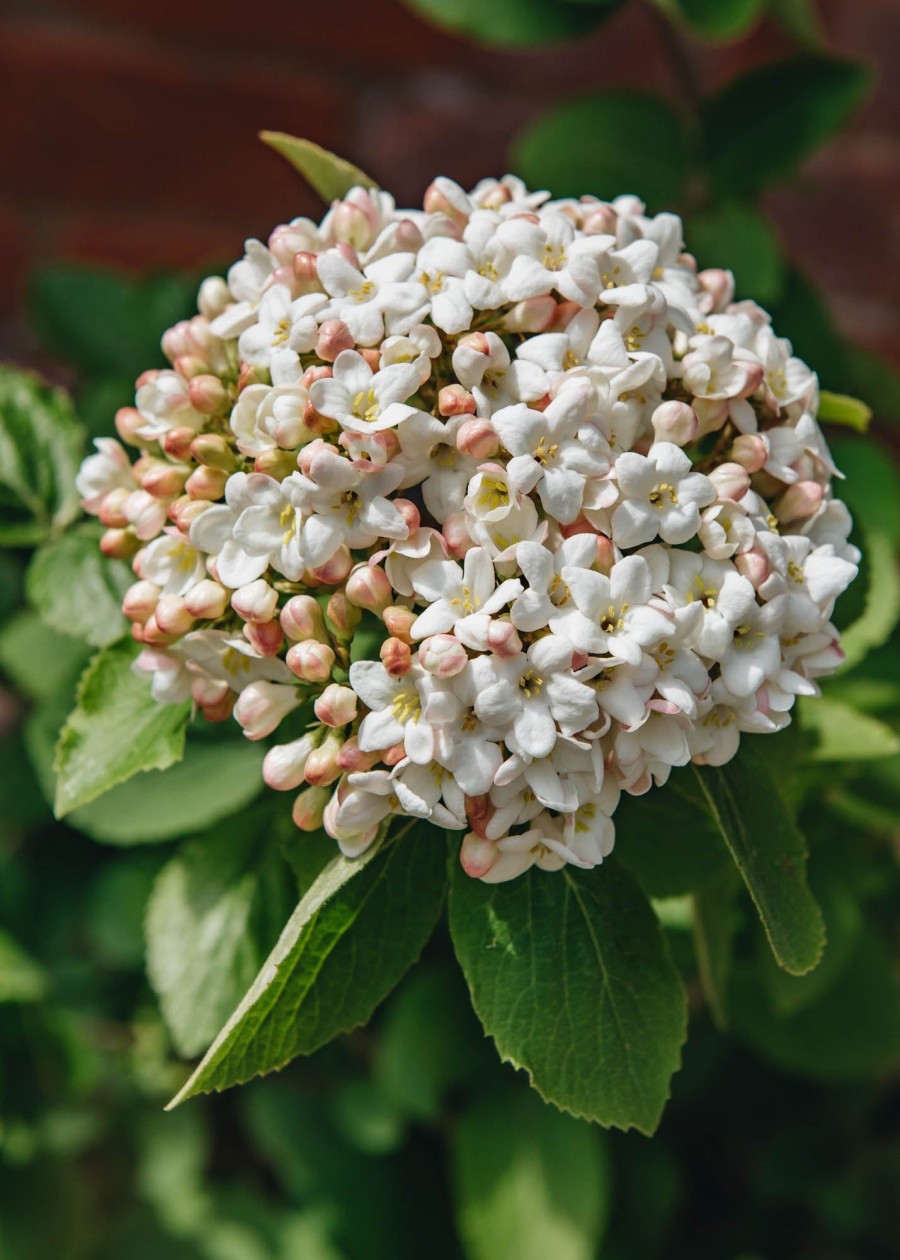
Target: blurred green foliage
x=782, y=1136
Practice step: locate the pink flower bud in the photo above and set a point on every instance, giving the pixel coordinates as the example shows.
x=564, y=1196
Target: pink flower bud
x=309, y=808
x=454, y=400
x=172, y=615
x=177, y=443
x=301, y=618
x=479, y=812
x=208, y=395
x=409, y=512
x=213, y=297
x=214, y=450
x=750, y=450
x=209, y=692
x=334, y=336
x=262, y=706
x=719, y=285
x=534, y=315
x=189, y=366
x=275, y=463
x=503, y=639
x=336, y=706
x=799, y=500
x=348, y=253
x=222, y=710
x=311, y=661
x=444, y=197
x=599, y=220
x=206, y=483
x=119, y=544
x=267, y=637
x=368, y=587
x=249, y=376
x=477, y=438
x=443, y=656
x=112, y=511
x=398, y=620
x=184, y=511
x=140, y=600
x=335, y=570
x=128, y=421
x=322, y=767
x=711, y=414
x=351, y=758
x=675, y=422
x=606, y=554
x=164, y=481
x=289, y=239
x=408, y=238
x=391, y=756
x=306, y=276
x=256, y=601
x=154, y=634
x=476, y=342
x=477, y=856
x=285, y=764
x=349, y=223
x=341, y=616
x=755, y=373
x=456, y=535
x=753, y=565
x=207, y=600
x=396, y=657
x=731, y=481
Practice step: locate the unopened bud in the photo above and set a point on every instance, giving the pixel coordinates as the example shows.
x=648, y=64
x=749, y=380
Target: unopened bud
x=301, y=618
x=443, y=656
x=309, y=808
x=212, y=449
x=206, y=483
x=456, y=535
x=711, y=414
x=750, y=450
x=719, y=285
x=275, y=463
x=172, y=615
x=337, y=705
x=184, y=511
x=396, y=657
x=534, y=315
x=503, y=639
x=399, y=620
x=209, y=692
x=119, y=544
x=410, y=513
x=207, y=600
x=177, y=442
x=164, y=481
x=112, y=511
x=222, y=710
x=477, y=438
x=351, y=758
x=368, y=587
x=341, y=616
x=140, y=601
x=391, y=756
x=190, y=365
x=334, y=336
x=284, y=765
x=454, y=400
x=335, y=570
x=267, y=637
x=675, y=422
x=262, y=706
x=799, y=500
x=208, y=395
x=600, y=220
x=444, y=197
x=753, y=565
x=477, y=856
x=731, y=481
x=213, y=297
x=128, y=421
x=155, y=635
x=311, y=661
x=322, y=764
x=256, y=601
x=306, y=277
x=606, y=554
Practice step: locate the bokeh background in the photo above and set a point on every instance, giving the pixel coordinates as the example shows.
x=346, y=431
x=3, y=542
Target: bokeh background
x=129, y=128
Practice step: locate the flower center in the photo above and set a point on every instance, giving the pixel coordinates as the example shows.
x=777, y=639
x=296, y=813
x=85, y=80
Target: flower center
x=658, y=495
x=281, y=332
x=554, y=257
x=558, y=592
x=493, y=494
x=544, y=453
x=363, y=292
x=365, y=406
x=433, y=283
x=530, y=684
x=612, y=620
x=469, y=721
x=468, y=602
x=288, y=522
x=405, y=705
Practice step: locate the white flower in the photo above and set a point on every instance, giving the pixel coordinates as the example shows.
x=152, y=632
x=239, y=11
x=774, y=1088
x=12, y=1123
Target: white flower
x=483, y=365
x=218, y=654
x=364, y=401
x=285, y=328
x=616, y=616
x=660, y=497
x=264, y=418
x=498, y=515
x=709, y=598
x=345, y=503
x=454, y=592
x=396, y=709
x=109, y=469
x=172, y=564
x=164, y=404
x=441, y=267
x=547, y=593
x=382, y=298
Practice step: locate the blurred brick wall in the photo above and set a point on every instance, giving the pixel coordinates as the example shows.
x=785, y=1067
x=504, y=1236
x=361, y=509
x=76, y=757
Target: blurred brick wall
x=128, y=128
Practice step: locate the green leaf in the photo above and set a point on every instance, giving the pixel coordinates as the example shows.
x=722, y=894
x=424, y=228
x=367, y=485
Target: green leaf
x=429, y=1042
x=800, y=19
x=741, y=239
x=843, y=734
x=874, y=379
x=872, y=486
x=516, y=22
x=618, y=142
x=714, y=923
x=851, y=1033
x=21, y=978
x=116, y=730
x=842, y=409
x=203, y=949
x=668, y=839
x=756, y=824
x=330, y=176
x=570, y=975
x=211, y=782
x=761, y=126
x=40, y=662
x=351, y=938
x=530, y=1182
x=802, y=315
x=40, y=452
x=77, y=590
x=717, y=19
x=882, y=607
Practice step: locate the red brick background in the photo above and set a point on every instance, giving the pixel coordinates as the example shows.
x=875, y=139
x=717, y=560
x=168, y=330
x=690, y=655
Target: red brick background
x=128, y=128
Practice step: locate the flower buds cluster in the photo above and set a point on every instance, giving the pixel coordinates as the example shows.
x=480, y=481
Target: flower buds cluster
x=498, y=506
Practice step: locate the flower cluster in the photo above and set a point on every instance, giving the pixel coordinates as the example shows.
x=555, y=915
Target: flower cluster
x=579, y=490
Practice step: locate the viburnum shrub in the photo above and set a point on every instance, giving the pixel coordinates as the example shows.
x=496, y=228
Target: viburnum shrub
x=485, y=514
